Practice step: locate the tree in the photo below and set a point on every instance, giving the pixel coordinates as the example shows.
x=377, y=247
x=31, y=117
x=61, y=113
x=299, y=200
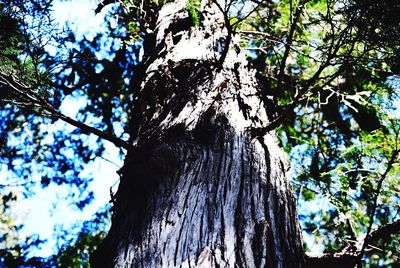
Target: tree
x=204, y=179
x=201, y=186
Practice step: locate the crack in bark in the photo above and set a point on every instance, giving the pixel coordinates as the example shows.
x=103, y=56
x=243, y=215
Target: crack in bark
x=190, y=190
x=238, y=216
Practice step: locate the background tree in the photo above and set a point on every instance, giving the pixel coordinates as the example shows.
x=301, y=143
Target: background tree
x=328, y=67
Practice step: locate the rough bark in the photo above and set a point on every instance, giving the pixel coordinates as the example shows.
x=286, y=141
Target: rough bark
x=198, y=190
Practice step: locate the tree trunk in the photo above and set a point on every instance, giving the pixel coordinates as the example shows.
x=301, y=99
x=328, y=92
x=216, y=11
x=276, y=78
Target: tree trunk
x=199, y=190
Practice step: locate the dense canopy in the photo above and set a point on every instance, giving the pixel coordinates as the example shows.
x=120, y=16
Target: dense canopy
x=329, y=67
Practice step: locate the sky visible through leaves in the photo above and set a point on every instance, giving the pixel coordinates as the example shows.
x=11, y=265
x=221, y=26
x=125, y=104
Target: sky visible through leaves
x=48, y=211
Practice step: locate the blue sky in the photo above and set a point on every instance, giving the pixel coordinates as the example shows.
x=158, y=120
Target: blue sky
x=49, y=207
x=54, y=209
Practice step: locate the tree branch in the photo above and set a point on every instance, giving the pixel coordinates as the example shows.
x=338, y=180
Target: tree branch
x=327, y=260
x=25, y=92
x=350, y=255
x=390, y=164
x=383, y=232
x=220, y=62
x=289, y=41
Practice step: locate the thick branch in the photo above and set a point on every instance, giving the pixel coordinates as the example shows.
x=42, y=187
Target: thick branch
x=383, y=232
x=326, y=260
x=88, y=129
x=261, y=131
x=34, y=98
x=350, y=255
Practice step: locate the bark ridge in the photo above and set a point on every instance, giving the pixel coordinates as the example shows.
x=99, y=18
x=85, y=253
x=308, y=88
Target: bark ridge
x=198, y=190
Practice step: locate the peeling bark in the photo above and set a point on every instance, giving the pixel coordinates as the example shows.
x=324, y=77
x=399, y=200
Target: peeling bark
x=198, y=190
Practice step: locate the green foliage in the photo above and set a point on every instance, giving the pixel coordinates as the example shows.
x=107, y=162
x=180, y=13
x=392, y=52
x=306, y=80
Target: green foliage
x=327, y=60
x=13, y=247
x=192, y=7
x=36, y=150
x=13, y=56
x=331, y=68
x=75, y=245
x=8, y=224
x=10, y=43
x=75, y=252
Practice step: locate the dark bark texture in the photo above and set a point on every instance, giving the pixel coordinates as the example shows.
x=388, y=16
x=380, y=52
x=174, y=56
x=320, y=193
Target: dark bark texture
x=198, y=190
